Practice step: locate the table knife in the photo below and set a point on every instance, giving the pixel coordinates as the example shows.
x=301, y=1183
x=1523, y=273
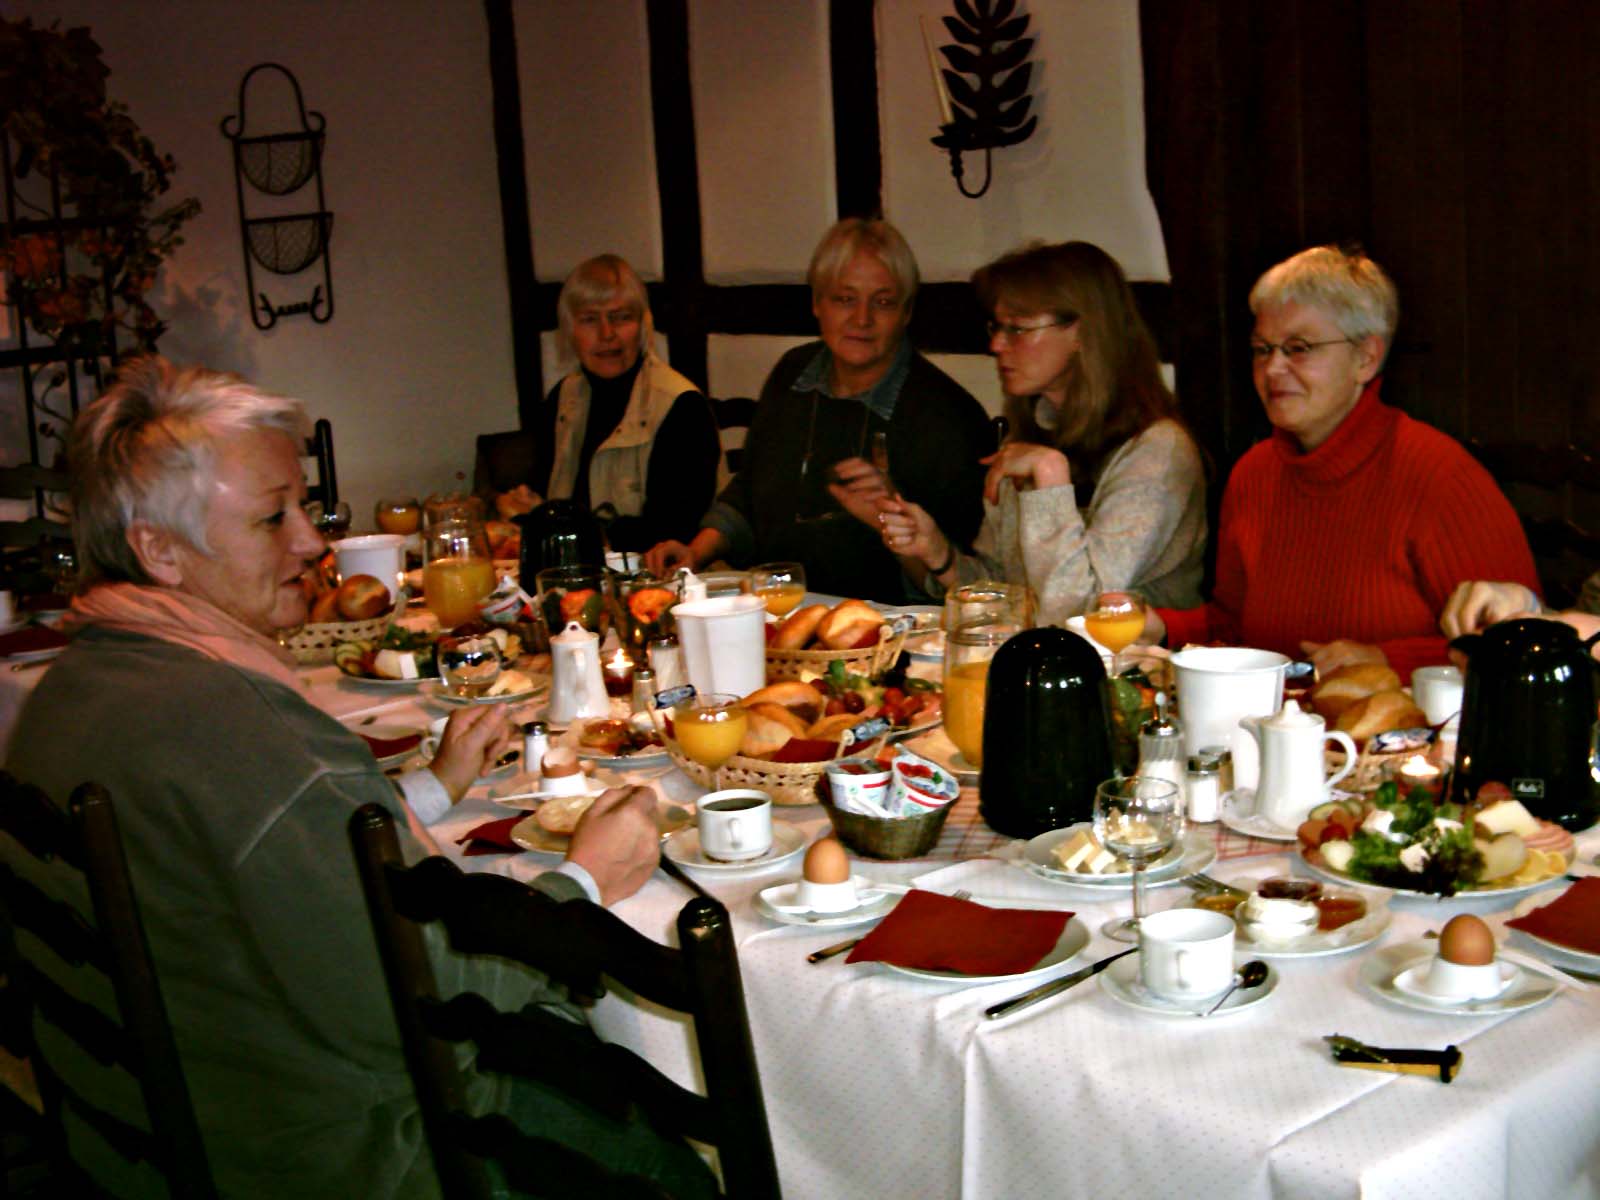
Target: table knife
x=1050, y=989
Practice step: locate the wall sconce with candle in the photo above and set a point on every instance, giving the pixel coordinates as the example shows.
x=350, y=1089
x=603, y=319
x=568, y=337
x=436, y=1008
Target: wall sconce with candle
x=992, y=110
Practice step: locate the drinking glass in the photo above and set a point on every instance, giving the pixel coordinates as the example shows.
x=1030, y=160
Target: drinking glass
x=1115, y=620
x=451, y=506
x=580, y=594
x=967, y=652
x=332, y=521
x=708, y=728
x=988, y=602
x=781, y=585
x=1138, y=819
x=470, y=664
x=401, y=514
x=645, y=603
x=456, y=572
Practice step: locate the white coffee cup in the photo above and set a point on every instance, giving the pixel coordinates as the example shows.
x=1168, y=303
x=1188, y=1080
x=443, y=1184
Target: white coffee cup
x=1438, y=692
x=8, y=609
x=381, y=555
x=1186, y=953
x=735, y=825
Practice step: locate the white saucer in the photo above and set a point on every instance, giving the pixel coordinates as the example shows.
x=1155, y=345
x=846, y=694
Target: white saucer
x=1380, y=974
x=1239, y=814
x=779, y=903
x=1121, y=982
x=1195, y=852
x=683, y=848
x=1413, y=981
x=1074, y=937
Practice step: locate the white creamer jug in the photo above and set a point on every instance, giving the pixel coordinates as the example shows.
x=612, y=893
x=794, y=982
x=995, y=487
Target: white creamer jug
x=724, y=643
x=576, y=687
x=1293, y=780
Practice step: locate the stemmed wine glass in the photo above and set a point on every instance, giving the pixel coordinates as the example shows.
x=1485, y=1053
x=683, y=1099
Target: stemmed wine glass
x=1115, y=620
x=1138, y=819
x=332, y=521
x=781, y=586
x=709, y=727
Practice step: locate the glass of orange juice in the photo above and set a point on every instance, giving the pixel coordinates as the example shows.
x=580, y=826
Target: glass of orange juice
x=398, y=514
x=456, y=571
x=1115, y=620
x=967, y=652
x=709, y=727
x=781, y=585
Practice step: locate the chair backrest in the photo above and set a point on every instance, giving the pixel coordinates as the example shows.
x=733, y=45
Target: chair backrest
x=32, y=483
x=574, y=942
x=1556, y=492
x=319, y=448
x=113, y=944
x=507, y=459
x=733, y=417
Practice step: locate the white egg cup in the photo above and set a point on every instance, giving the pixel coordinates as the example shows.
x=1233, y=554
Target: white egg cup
x=827, y=897
x=1463, y=981
x=575, y=784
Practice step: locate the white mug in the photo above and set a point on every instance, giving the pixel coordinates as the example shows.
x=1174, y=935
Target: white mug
x=724, y=642
x=1438, y=692
x=381, y=555
x=735, y=824
x=1186, y=953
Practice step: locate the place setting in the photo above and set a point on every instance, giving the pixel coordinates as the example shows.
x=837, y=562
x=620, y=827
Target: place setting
x=1462, y=972
x=734, y=834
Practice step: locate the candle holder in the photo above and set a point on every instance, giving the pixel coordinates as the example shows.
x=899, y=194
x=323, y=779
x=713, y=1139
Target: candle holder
x=617, y=671
x=992, y=110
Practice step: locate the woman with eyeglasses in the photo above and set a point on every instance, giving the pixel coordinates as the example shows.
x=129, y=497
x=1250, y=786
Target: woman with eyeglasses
x=624, y=429
x=808, y=491
x=1100, y=485
x=1343, y=535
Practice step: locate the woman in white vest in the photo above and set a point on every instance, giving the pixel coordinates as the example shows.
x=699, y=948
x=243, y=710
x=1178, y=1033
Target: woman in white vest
x=624, y=429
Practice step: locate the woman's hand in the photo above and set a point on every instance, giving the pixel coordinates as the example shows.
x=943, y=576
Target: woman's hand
x=518, y=500
x=1031, y=465
x=1328, y=657
x=860, y=489
x=474, y=738
x=666, y=557
x=910, y=532
x=1477, y=605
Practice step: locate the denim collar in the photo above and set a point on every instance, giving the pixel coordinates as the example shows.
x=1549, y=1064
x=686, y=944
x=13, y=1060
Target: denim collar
x=880, y=399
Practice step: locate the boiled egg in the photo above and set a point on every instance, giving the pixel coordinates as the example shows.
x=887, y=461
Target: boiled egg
x=826, y=862
x=1467, y=941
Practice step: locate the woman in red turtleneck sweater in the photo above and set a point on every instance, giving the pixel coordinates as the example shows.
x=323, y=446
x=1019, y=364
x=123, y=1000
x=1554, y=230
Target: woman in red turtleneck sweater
x=1344, y=533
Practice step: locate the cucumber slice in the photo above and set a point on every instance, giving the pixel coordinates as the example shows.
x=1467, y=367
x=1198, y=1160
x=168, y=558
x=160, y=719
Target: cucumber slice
x=1323, y=811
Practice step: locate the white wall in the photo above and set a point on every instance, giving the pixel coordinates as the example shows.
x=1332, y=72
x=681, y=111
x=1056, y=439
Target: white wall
x=417, y=357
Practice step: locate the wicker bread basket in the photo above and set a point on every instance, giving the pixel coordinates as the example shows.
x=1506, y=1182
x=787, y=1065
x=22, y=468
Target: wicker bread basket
x=870, y=661
x=312, y=644
x=787, y=783
x=884, y=837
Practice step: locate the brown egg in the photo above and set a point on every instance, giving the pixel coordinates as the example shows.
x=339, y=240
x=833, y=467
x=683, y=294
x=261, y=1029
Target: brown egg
x=826, y=862
x=1466, y=940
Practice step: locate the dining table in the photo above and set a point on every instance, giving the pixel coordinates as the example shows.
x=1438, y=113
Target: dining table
x=883, y=1083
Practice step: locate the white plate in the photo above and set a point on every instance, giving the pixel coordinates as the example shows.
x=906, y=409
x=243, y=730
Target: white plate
x=435, y=689
x=1121, y=982
x=780, y=903
x=1361, y=932
x=1074, y=937
x=391, y=733
x=1195, y=852
x=23, y=656
x=1239, y=814
x=1332, y=876
x=683, y=848
x=1380, y=970
x=531, y=835
x=374, y=681
x=1590, y=961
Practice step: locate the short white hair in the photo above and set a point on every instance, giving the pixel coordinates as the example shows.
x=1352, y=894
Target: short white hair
x=1345, y=284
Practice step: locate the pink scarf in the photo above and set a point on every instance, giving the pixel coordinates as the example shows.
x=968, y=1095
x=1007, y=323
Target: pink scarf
x=184, y=620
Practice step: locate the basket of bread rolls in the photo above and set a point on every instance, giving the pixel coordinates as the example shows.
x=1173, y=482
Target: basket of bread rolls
x=1364, y=700
x=788, y=743
x=816, y=635
x=350, y=611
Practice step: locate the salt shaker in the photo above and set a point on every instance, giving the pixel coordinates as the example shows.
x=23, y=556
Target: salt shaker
x=535, y=741
x=666, y=660
x=644, y=689
x=1161, y=747
x=1205, y=789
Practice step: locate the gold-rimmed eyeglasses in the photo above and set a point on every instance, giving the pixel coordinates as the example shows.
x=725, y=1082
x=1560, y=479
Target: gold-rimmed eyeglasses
x=1014, y=333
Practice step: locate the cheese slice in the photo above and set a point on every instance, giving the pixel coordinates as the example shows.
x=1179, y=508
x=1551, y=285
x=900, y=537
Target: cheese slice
x=396, y=664
x=1507, y=816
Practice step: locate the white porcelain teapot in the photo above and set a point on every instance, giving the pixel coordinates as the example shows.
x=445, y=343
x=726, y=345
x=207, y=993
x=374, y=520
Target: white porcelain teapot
x=576, y=687
x=1293, y=780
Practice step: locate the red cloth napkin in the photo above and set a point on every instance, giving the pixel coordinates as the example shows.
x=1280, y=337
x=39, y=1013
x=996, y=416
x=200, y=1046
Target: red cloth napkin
x=492, y=837
x=31, y=638
x=939, y=933
x=385, y=747
x=1572, y=919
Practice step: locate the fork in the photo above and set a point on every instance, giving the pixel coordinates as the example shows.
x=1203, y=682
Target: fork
x=828, y=952
x=1201, y=882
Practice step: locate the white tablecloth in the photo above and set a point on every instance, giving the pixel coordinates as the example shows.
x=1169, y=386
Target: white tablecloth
x=882, y=1085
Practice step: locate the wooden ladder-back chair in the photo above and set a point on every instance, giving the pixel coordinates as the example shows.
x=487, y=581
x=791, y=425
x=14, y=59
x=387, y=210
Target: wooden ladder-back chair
x=112, y=943
x=574, y=942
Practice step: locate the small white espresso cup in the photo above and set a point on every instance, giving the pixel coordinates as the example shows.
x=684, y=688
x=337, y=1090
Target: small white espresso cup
x=1186, y=953
x=1438, y=692
x=735, y=825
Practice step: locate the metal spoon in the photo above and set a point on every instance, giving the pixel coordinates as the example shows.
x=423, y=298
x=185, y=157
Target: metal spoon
x=1252, y=974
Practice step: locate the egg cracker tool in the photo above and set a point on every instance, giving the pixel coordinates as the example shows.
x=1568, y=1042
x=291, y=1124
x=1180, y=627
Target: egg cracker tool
x=1348, y=1052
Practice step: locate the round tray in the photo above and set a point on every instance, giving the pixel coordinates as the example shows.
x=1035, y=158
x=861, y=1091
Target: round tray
x=312, y=644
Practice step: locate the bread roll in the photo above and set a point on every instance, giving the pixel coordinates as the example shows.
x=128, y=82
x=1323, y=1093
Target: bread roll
x=766, y=733
x=560, y=814
x=1379, y=713
x=803, y=700
x=325, y=608
x=829, y=728
x=1348, y=684
x=849, y=624
x=799, y=628
x=796, y=725
x=362, y=597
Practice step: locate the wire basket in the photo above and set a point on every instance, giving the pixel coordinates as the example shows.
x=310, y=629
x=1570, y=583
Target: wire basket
x=285, y=245
x=315, y=643
x=870, y=661
x=884, y=837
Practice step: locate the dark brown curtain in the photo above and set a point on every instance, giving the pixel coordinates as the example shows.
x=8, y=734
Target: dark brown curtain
x=1457, y=140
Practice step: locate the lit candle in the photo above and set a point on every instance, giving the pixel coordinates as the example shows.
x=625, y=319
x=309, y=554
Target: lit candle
x=618, y=673
x=1417, y=769
x=939, y=91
